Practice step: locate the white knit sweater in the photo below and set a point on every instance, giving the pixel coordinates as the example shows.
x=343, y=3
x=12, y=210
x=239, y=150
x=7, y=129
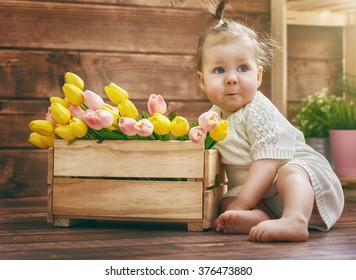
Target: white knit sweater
x=258, y=131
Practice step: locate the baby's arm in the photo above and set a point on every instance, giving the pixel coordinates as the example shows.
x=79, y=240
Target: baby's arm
x=260, y=177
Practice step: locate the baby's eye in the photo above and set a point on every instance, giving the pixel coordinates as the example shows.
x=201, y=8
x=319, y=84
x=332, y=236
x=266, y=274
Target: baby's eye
x=219, y=70
x=242, y=68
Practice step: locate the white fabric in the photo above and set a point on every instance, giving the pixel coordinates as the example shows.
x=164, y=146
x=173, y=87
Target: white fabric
x=259, y=130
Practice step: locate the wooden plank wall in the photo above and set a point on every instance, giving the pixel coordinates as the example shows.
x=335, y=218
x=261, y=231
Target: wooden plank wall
x=140, y=45
x=315, y=58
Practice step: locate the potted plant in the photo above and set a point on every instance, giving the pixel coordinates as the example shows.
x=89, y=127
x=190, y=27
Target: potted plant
x=342, y=126
x=311, y=119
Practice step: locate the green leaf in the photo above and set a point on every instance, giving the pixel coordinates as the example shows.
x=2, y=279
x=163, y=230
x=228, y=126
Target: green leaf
x=183, y=137
x=209, y=142
x=165, y=137
x=145, y=115
x=172, y=117
x=70, y=142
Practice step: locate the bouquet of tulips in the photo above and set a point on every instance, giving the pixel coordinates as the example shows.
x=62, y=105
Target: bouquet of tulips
x=83, y=114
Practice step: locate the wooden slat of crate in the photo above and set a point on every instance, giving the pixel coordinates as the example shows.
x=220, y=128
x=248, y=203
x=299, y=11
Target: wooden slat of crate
x=135, y=159
x=50, y=186
x=212, y=168
x=127, y=199
x=211, y=205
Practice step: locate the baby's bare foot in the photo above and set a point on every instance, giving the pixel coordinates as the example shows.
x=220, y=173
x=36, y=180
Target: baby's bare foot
x=218, y=225
x=240, y=221
x=283, y=229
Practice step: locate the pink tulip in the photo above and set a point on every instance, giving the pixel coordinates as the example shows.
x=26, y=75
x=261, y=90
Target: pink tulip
x=127, y=126
x=76, y=111
x=93, y=100
x=197, y=134
x=208, y=120
x=98, y=119
x=144, y=127
x=105, y=118
x=49, y=116
x=156, y=104
x=90, y=119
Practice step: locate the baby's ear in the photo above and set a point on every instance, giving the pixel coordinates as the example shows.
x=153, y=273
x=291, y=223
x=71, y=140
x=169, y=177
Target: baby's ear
x=201, y=81
x=259, y=76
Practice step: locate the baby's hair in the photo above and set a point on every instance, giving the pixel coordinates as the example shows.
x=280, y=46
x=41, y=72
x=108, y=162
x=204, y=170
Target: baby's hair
x=263, y=44
x=217, y=14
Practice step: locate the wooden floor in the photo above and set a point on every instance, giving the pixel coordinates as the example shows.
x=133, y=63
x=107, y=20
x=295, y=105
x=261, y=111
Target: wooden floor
x=25, y=234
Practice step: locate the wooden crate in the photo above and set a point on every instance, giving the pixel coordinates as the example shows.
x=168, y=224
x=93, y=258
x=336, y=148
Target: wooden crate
x=164, y=181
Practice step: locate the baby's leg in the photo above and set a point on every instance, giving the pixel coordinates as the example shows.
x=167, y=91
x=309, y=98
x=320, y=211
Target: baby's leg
x=293, y=184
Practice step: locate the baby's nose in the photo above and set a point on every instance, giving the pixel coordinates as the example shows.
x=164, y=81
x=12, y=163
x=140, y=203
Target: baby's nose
x=231, y=81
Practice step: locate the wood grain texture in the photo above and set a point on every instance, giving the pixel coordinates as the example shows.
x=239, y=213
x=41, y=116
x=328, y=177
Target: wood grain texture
x=212, y=168
x=23, y=173
x=117, y=199
x=307, y=76
x=314, y=59
x=15, y=131
x=252, y=6
x=26, y=235
x=106, y=182
x=132, y=158
x=50, y=185
x=212, y=200
x=39, y=74
x=315, y=42
x=93, y=27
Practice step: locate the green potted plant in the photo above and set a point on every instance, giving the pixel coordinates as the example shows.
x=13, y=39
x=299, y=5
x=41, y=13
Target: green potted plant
x=311, y=119
x=342, y=126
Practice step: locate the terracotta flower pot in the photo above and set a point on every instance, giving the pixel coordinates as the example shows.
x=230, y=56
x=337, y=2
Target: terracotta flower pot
x=343, y=149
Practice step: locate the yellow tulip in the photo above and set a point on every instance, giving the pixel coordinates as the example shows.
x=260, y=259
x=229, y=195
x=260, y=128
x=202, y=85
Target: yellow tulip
x=128, y=109
x=78, y=127
x=64, y=132
x=116, y=94
x=220, y=131
x=74, y=80
x=60, y=113
x=179, y=126
x=64, y=102
x=36, y=139
x=48, y=140
x=108, y=107
x=161, y=124
x=42, y=127
x=116, y=117
x=73, y=94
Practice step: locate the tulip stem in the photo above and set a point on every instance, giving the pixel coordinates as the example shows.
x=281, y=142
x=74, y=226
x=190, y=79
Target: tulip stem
x=209, y=142
x=84, y=107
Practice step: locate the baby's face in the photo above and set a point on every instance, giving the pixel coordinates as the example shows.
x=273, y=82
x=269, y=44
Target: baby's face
x=230, y=75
